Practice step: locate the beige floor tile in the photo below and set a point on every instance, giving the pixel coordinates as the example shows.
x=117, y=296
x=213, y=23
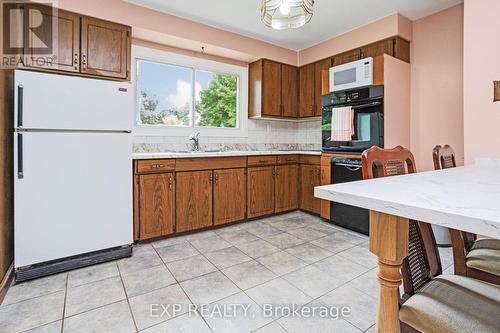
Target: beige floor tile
x=284, y=240
x=273, y=327
x=147, y=309
x=92, y=274
x=92, y=295
x=317, y=325
x=35, y=288
x=311, y=281
x=112, y=318
x=309, y=253
x=278, y=292
x=143, y=257
x=258, y=248
x=209, y=244
x=363, y=307
x=209, y=288
x=54, y=327
x=281, y=262
x=241, y=320
x=227, y=257
x=183, y=324
x=249, y=274
x=360, y=255
x=177, y=252
x=367, y=283
x=191, y=267
x=263, y=230
x=340, y=269
x=307, y=233
x=146, y=280
x=28, y=314
x=239, y=236
x=333, y=245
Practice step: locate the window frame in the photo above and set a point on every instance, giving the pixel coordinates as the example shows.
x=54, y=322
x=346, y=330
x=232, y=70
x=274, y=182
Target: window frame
x=194, y=63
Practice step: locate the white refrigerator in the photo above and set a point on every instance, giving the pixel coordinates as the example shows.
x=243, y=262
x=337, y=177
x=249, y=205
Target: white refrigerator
x=72, y=172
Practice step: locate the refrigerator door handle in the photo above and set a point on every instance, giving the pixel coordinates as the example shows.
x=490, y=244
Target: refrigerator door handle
x=20, y=166
x=20, y=99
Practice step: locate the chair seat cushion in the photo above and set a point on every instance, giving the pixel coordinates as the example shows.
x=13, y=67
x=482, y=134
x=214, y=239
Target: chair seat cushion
x=454, y=304
x=484, y=259
x=486, y=243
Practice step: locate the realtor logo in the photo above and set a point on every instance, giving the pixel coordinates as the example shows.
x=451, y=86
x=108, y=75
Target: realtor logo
x=28, y=33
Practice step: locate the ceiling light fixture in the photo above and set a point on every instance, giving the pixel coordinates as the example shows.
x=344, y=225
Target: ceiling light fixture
x=286, y=14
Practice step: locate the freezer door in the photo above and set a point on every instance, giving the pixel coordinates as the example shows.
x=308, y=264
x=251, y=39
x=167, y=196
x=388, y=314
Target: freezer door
x=74, y=195
x=50, y=101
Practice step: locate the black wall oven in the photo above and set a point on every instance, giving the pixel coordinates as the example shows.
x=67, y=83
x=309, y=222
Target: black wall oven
x=368, y=106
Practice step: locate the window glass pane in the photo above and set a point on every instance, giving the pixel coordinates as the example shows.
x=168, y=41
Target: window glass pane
x=216, y=99
x=164, y=94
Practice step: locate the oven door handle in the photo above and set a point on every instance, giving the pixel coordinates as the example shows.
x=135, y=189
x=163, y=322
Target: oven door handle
x=363, y=106
x=349, y=167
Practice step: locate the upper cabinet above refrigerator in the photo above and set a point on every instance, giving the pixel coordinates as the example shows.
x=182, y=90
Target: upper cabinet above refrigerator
x=81, y=45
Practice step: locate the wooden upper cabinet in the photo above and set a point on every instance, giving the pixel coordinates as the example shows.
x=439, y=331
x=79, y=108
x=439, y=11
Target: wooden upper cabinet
x=319, y=67
x=65, y=42
x=289, y=90
x=271, y=91
x=286, y=188
x=105, y=48
x=193, y=202
x=156, y=205
x=310, y=176
x=306, y=91
x=346, y=57
x=260, y=191
x=229, y=195
x=378, y=48
x=402, y=49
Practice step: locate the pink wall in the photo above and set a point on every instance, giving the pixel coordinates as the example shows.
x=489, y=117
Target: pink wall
x=386, y=27
x=178, y=32
x=481, y=68
x=436, y=85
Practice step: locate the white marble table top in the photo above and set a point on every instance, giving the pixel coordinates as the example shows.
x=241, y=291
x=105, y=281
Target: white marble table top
x=464, y=198
x=142, y=156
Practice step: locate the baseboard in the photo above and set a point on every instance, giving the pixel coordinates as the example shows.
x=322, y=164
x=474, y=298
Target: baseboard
x=6, y=281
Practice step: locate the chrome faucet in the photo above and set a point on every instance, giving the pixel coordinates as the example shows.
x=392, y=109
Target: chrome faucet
x=195, y=146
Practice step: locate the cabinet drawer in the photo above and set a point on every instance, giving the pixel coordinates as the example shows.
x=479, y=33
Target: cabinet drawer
x=151, y=166
x=310, y=159
x=261, y=160
x=287, y=159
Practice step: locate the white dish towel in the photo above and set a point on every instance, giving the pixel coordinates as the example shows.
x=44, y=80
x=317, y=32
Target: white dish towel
x=342, y=124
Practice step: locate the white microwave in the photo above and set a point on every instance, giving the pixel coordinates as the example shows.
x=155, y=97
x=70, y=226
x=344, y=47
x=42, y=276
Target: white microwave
x=352, y=75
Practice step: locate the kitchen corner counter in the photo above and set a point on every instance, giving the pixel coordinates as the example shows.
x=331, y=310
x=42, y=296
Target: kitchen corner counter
x=165, y=155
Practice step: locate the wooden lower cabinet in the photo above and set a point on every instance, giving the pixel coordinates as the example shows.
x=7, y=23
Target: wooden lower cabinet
x=286, y=188
x=156, y=205
x=193, y=202
x=310, y=176
x=325, y=180
x=229, y=195
x=260, y=191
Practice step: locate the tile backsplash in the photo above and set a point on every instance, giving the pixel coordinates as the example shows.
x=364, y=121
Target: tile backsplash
x=262, y=135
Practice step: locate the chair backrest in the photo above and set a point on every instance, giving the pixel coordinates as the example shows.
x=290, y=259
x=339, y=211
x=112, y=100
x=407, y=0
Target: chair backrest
x=444, y=157
x=423, y=262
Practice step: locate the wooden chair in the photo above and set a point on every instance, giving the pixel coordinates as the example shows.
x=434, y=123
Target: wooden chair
x=433, y=302
x=479, y=259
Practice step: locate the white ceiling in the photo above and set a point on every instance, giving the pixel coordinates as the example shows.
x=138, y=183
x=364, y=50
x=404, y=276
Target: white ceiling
x=331, y=17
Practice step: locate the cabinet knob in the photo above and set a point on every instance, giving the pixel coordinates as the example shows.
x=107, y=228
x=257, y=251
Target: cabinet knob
x=84, y=62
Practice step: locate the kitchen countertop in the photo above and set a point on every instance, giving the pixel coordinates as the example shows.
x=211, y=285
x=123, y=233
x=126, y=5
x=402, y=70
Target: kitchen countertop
x=146, y=156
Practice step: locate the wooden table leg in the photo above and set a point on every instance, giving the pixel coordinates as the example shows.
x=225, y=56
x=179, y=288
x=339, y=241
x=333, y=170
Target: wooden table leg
x=389, y=242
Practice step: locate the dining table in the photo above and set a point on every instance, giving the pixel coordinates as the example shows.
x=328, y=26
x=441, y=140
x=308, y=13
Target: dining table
x=465, y=198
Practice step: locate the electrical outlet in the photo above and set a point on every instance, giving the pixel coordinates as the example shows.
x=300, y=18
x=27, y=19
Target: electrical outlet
x=496, y=91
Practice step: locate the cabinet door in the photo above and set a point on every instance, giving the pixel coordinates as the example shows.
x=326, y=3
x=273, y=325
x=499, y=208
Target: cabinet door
x=346, y=57
x=318, y=83
x=310, y=176
x=229, y=195
x=271, y=89
x=193, y=202
x=105, y=48
x=378, y=48
x=156, y=205
x=289, y=90
x=260, y=191
x=325, y=180
x=65, y=42
x=306, y=91
x=286, y=188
